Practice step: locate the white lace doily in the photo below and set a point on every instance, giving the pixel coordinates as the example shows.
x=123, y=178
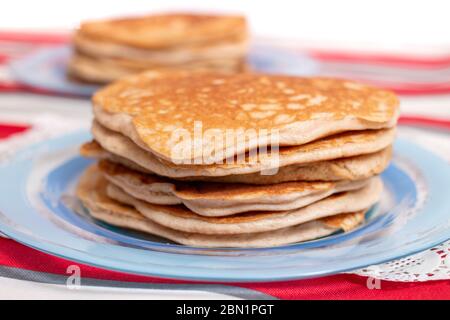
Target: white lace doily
x=432, y=264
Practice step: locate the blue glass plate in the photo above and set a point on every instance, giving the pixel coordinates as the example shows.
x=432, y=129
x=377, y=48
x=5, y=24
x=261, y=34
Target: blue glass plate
x=38, y=208
x=46, y=68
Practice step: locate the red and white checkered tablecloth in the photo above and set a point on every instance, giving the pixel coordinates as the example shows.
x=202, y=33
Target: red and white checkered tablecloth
x=27, y=273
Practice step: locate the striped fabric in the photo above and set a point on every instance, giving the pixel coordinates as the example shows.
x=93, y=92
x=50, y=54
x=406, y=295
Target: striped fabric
x=409, y=76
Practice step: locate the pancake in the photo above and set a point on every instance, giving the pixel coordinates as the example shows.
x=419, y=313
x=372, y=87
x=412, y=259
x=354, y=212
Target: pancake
x=346, y=144
x=218, y=199
x=350, y=168
x=141, y=58
x=147, y=109
x=201, y=63
x=166, y=30
x=106, y=50
x=92, y=193
x=182, y=219
x=95, y=70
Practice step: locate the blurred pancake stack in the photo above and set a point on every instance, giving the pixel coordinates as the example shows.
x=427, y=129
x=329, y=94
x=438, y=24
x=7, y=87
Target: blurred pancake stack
x=109, y=49
x=237, y=160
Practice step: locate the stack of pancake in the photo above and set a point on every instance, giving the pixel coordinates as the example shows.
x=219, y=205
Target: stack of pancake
x=109, y=49
x=319, y=176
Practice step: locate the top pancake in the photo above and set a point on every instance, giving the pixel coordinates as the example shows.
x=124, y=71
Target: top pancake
x=150, y=106
x=166, y=30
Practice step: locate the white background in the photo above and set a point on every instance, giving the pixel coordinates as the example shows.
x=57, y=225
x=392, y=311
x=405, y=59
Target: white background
x=422, y=25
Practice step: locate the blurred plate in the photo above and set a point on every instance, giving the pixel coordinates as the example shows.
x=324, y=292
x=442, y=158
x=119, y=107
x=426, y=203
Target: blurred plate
x=46, y=68
x=38, y=208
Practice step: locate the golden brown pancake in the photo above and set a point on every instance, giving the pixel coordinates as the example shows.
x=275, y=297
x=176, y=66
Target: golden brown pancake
x=219, y=199
x=92, y=192
x=166, y=30
x=149, y=107
x=349, y=168
x=104, y=70
x=216, y=64
x=342, y=145
x=181, y=218
x=106, y=50
x=235, y=49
